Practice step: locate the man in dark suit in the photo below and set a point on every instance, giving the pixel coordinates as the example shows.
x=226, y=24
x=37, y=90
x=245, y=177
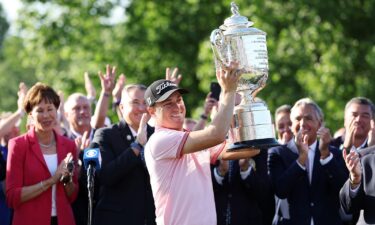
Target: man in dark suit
x=307, y=172
x=359, y=133
x=357, y=196
x=125, y=194
x=359, y=126
x=242, y=191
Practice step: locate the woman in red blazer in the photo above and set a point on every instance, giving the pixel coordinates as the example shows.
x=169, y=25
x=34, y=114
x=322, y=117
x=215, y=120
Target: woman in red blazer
x=39, y=186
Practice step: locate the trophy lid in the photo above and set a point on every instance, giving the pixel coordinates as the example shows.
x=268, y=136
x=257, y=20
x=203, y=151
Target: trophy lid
x=236, y=20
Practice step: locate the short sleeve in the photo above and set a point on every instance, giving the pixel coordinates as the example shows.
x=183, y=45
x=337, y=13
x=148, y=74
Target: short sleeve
x=167, y=144
x=215, y=152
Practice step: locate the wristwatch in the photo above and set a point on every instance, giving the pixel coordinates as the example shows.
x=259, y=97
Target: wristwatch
x=136, y=145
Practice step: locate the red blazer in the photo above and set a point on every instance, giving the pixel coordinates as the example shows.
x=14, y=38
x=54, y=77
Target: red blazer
x=26, y=166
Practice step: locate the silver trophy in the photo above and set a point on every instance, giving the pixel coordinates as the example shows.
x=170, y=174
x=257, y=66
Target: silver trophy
x=237, y=41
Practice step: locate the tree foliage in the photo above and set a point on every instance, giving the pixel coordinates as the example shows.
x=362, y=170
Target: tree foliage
x=4, y=26
x=321, y=49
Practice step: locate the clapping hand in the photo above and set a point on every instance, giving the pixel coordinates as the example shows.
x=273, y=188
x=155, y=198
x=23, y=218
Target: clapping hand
x=371, y=134
x=353, y=164
x=349, y=135
x=325, y=139
x=301, y=140
x=142, y=129
x=63, y=170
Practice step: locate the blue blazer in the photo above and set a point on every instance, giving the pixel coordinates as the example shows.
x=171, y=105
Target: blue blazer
x=318, y=200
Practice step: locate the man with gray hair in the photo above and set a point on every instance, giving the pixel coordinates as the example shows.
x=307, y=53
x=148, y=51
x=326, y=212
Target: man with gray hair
x=359, y=125
x=81, y=128
x=306, y=171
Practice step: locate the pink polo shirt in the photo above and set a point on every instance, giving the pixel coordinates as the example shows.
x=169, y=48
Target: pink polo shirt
x=181, y=183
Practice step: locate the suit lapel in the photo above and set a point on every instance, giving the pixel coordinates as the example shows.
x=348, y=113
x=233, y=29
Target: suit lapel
x=125, y=132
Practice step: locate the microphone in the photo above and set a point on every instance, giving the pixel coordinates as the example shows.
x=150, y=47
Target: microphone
x=91, y=161
x=91, y=156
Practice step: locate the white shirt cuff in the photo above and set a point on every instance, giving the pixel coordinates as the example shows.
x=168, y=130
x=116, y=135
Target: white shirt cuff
x=353, y=192
x=246, y=173
x=219, y=179
x=326, y=160
x=299, y=164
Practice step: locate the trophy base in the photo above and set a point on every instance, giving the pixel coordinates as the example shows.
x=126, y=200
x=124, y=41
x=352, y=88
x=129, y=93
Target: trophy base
x=262, y=144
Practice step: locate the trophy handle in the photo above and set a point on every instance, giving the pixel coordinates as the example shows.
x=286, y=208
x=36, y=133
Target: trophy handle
x=218, y=45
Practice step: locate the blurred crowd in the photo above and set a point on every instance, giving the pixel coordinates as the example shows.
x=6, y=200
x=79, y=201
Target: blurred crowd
x=154, y=167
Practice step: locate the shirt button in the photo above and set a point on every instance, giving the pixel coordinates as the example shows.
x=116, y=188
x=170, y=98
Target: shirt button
x=312, y=204
x=229, y=195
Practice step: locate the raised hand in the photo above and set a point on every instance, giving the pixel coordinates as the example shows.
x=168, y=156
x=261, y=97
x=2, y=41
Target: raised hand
x=120, y=84
x=173, y=76
x=228, y=77
x=325, y=139
x=90, y=89
x=82, y=142
x=107, y=80
x=22, y=90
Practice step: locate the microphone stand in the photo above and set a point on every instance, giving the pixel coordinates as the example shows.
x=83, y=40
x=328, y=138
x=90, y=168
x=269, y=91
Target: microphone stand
x=90, y=189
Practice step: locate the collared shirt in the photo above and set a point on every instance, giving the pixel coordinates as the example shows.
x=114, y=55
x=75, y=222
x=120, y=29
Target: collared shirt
x=360, y=147
x=292, y=146
x=134, y=132
x=181, y=183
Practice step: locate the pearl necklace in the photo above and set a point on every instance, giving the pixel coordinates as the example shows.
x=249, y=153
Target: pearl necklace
x=48, y=145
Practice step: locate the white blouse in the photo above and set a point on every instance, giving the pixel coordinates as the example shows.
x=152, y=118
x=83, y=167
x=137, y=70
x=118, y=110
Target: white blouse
x=51, y=161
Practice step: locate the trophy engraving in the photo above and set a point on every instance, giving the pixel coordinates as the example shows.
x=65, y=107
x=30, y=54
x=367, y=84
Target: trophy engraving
x=236, y=40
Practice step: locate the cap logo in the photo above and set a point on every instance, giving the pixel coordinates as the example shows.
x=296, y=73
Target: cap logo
x=149, y=101
x=163, y=86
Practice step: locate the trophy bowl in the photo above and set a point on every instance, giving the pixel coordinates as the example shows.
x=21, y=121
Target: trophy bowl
x=237, y=41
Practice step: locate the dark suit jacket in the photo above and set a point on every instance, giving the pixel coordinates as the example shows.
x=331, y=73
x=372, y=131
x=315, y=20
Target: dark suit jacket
x=364, y=200
x=251, y=200
x=2, y=167
x=320, y=199
x=125, y=194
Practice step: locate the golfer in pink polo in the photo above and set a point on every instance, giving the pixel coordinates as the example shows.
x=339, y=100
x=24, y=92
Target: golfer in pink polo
x=179, y=161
